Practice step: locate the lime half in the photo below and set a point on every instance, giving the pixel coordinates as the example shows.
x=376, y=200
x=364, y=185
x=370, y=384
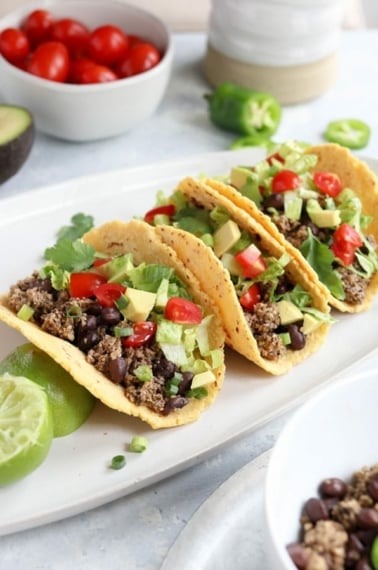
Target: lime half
x=70, y=403
x=26, y=427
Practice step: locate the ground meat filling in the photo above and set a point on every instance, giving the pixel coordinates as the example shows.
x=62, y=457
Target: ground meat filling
x=296, y=232
x=88, y=325
x=339, y=527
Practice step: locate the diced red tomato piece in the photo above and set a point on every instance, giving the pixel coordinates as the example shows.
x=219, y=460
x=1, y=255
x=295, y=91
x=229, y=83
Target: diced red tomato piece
x=251, y=297
x=275, y=156
x=251, y=261
x=107, y=293
x=83, y=283
x=143, y=332
x=345, y=254
x=346, y=234
x=328, y=183
x=183, y=311
x=167, y=210
x=99, y=262
x=285, y=180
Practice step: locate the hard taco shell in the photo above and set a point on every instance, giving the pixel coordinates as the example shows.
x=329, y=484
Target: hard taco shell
x=143, y=242
x=354, y=174
x=216, y=281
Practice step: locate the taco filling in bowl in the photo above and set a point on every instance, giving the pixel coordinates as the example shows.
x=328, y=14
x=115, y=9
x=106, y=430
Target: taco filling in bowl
x=143, y=327
x=271, y=311
x=322, y=201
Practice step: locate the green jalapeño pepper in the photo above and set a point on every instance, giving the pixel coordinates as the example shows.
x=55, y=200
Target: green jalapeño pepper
x=352, y=133
x=244, y=111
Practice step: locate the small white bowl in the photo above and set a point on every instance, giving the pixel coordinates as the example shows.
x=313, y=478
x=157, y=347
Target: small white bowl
x=90, y=112
x=331, y=435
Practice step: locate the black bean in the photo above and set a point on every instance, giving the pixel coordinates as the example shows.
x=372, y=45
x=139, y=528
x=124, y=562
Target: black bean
x=177, y=402
x=94, y=308
x=366, y=536
x=185, y=383
x=297, y=338
x=110, y=315
x=274, y=201
x=373, y=487
x=333, y=487
x=164, y=368
x=87, y=340
x=316, y=510
x=298, y=554
x=367, y=518
x=355, y=543
x=91, y=322
x=117, y=369
x=363, y=564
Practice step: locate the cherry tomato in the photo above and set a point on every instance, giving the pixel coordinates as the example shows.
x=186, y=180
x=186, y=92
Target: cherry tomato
x=107, y=293
x=37, y=26
x=167, y=210
x=251, y=297
x=98, y=262
x=143, y=332
x=251, y=261
x=135, y=40
x=108, y=44
x=182, y=311
x=78, y=68
x=275, y=156
x=328, y=183
x=83, y=283
x=95, y=73
x=72, y=33
x=50, y=61
x=140, y=58
x=14, y=45
x=285, y=180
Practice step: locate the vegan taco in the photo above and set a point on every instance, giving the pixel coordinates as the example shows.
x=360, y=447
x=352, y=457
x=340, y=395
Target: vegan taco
x=272, y=313
x=323, y=202
x=122, y=314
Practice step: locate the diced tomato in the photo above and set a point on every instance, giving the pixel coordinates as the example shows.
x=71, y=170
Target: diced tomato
x=275, y=156
x=143, y=332
x=347, y=234
x=182, y=311
x=285, y=180
x=99, y=262
x=251, y=261
x=83, y=283
x=346, y=254
x=328, y=183
x=107, y=293
x=167, y=210
x=252, y=296
x=345, y=242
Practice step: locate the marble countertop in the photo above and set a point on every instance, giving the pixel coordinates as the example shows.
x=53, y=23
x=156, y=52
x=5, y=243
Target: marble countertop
x=137, y=531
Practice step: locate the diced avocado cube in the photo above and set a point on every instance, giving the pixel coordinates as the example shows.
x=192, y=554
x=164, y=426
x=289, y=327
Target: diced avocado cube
x=289, y=313
x=202, y=379
x=322, y=218
x=229, y=262
x=225, y=237
x=310, y=323
x=140, y=304
x=239, y=176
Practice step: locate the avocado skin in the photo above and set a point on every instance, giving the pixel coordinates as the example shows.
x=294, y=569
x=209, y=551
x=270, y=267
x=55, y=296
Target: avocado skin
x=14, y=153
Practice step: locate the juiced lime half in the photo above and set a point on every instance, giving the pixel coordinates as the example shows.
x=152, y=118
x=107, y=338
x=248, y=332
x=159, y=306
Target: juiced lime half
x=70, y=403
x=26, y=427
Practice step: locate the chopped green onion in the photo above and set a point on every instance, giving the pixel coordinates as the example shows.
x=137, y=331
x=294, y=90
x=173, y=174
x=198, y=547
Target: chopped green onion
x=123, y=331
x=138, y=444
x=74, y=312
x=143, y=373
x=121, y=303
x=25, y=313
x=118, y=461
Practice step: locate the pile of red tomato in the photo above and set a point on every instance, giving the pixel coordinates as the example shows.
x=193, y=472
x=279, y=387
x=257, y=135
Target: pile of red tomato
x=65, y=50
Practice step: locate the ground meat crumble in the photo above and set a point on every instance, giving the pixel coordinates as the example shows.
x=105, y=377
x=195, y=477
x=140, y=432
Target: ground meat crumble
x=339, y=526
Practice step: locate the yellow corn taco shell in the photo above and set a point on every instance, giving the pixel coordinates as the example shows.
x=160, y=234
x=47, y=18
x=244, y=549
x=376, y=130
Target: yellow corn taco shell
x=216, y=281
x=142, y=241
x=354, y=174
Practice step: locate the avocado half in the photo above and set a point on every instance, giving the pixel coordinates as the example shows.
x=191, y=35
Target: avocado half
x=17, y=133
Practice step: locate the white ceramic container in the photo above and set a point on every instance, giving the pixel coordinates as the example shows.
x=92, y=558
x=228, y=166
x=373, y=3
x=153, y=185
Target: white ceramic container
x=96, y=111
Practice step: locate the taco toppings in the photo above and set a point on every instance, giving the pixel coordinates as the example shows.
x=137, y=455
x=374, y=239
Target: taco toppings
x=138, y=323
x=321, y=200
x=271, y=312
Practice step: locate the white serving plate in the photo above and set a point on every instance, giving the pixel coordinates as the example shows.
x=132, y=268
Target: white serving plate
x=76, y=475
